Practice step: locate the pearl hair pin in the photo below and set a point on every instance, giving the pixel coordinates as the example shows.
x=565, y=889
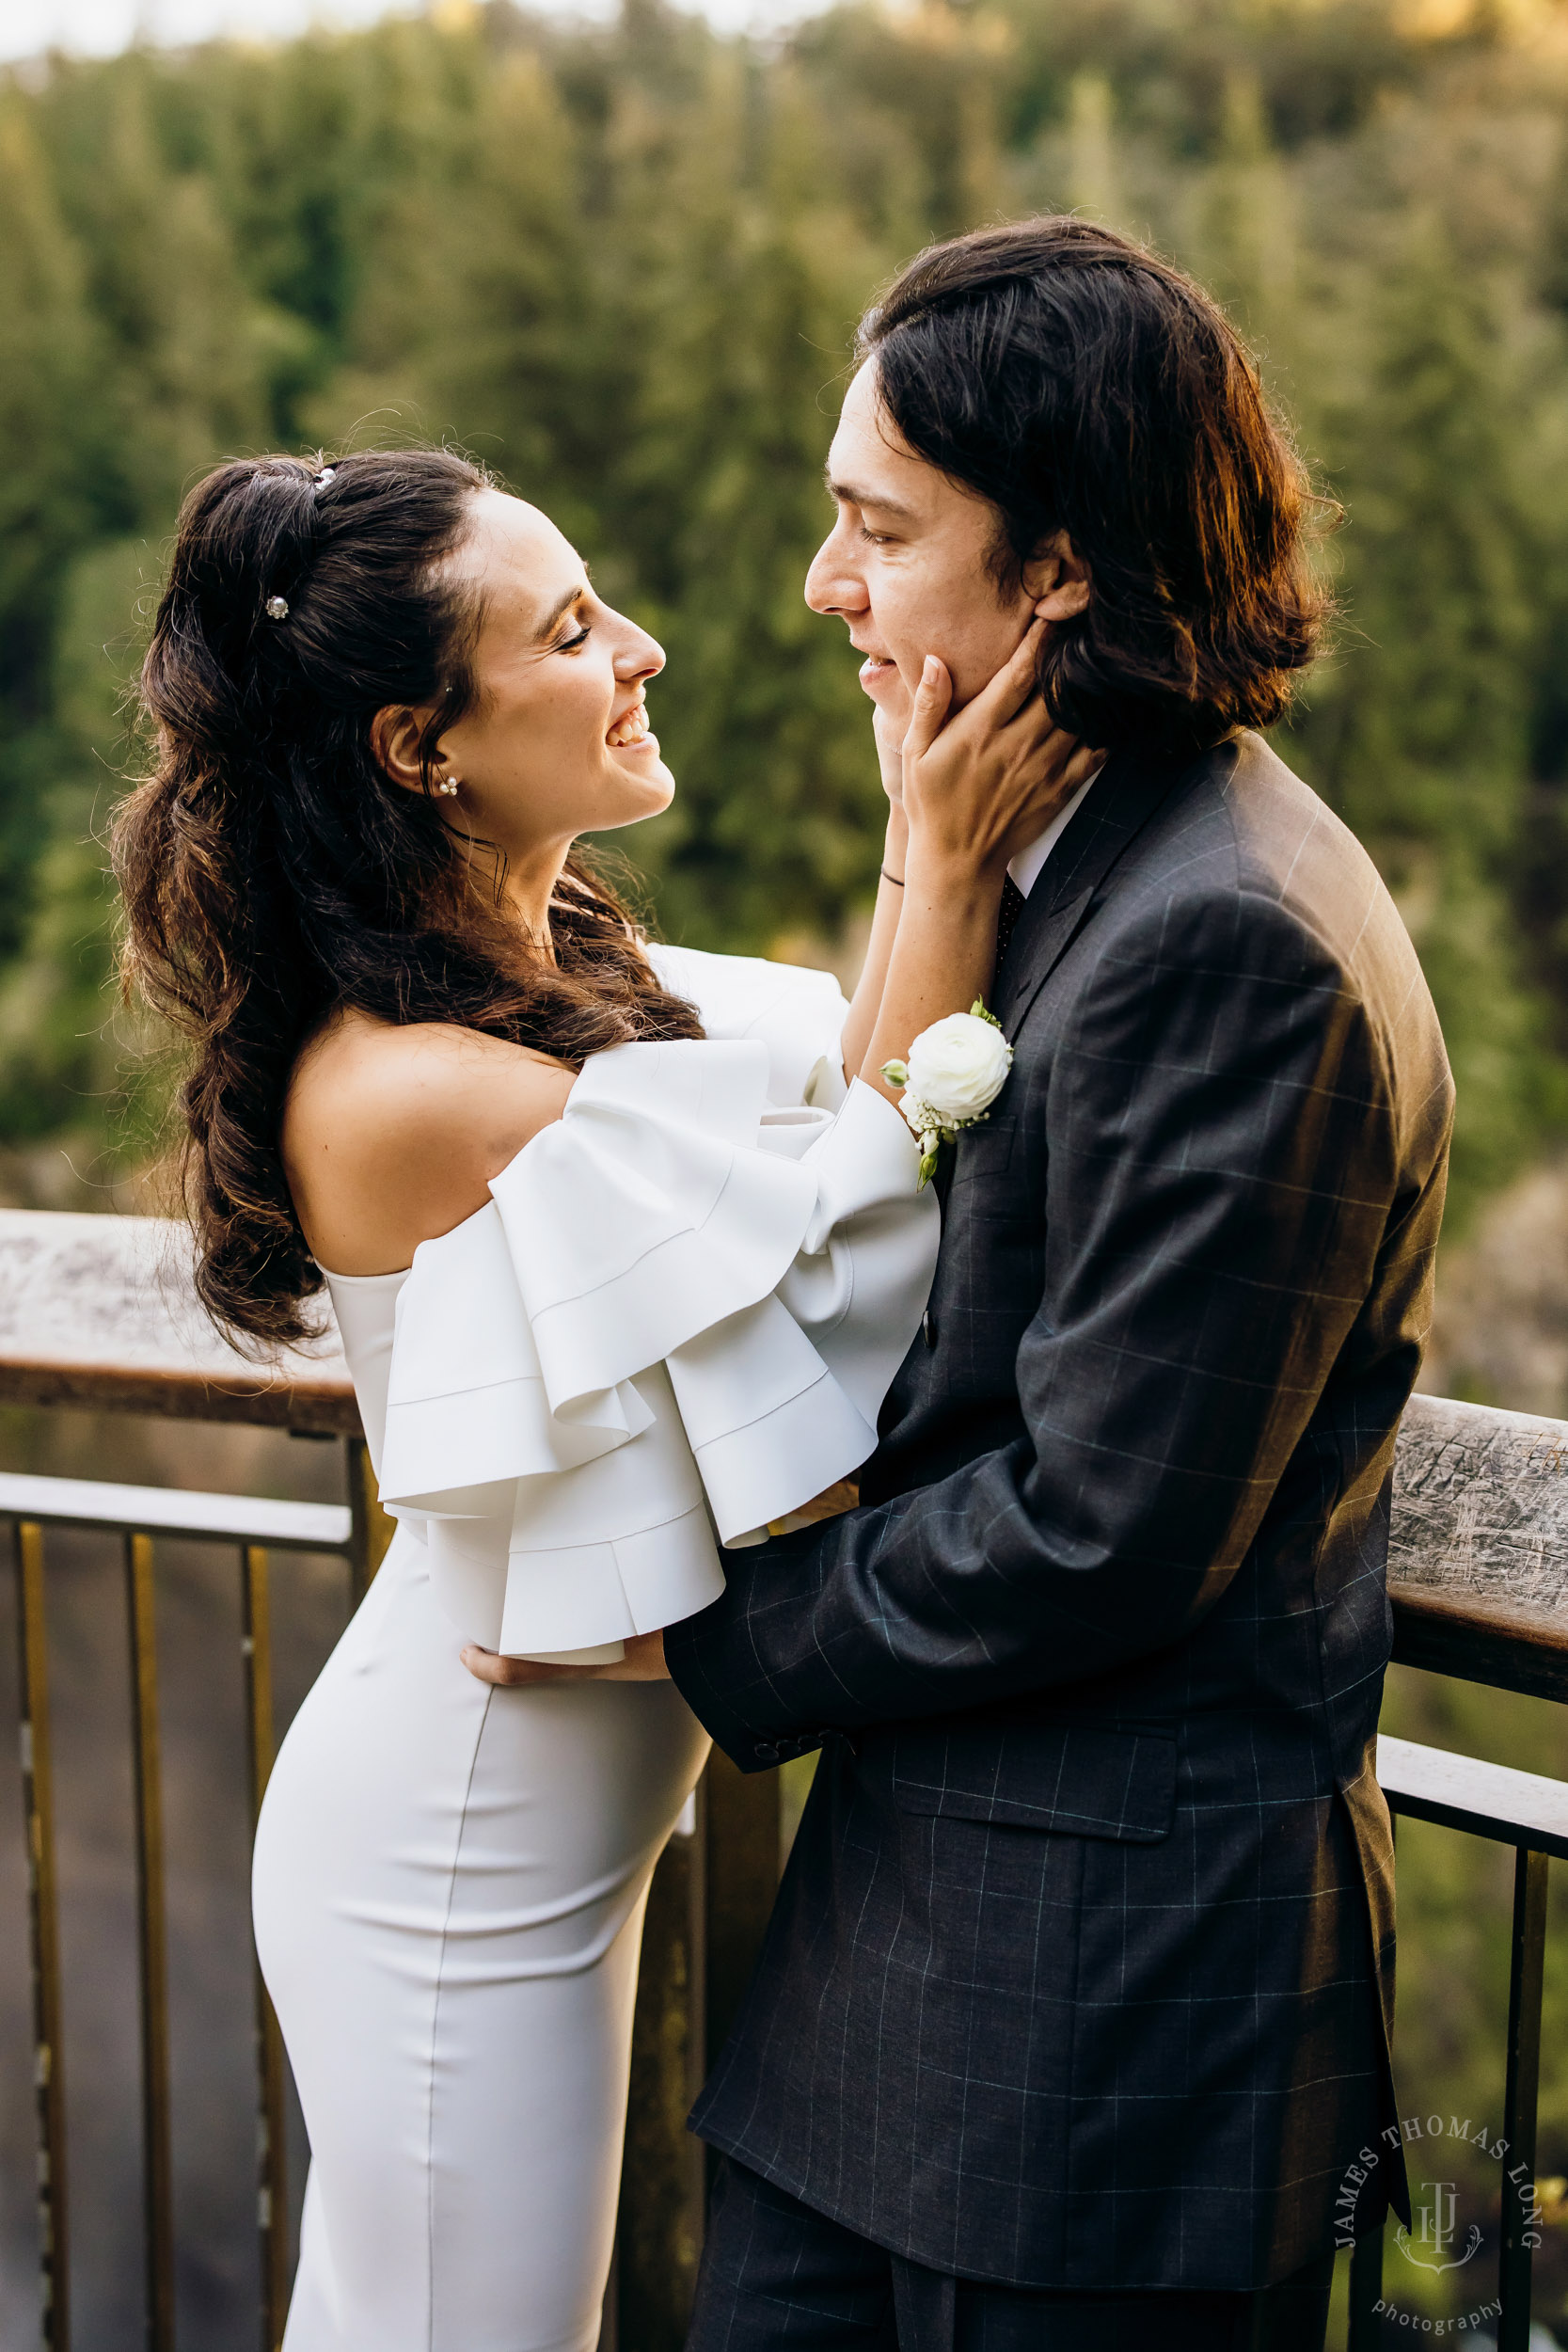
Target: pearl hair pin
x=277, y=607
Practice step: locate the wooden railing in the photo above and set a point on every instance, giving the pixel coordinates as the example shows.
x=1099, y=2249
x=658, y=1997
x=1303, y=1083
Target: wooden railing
x=1478, y=1569
x=97, y=1311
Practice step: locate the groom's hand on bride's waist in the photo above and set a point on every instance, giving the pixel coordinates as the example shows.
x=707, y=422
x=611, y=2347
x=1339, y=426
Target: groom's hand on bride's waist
x=644, y=1652
x=643, y=1662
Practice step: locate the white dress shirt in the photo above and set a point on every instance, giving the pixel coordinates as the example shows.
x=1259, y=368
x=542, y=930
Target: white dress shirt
x=1026, y=868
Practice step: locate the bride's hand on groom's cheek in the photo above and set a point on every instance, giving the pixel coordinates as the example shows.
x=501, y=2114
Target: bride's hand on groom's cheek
x=643, y=1662
x=889, y=729
x=982, y=783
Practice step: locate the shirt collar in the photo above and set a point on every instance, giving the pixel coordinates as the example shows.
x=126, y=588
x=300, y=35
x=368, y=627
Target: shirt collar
x=1026, y=868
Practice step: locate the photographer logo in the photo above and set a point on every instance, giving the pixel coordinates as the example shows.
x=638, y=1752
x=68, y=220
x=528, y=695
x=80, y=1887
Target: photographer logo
x=1441, y=2235
x=1431, y=2244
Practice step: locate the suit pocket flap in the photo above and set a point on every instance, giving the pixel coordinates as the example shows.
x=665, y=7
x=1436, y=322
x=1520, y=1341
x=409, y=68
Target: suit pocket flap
x=1078, y=1779
x=985, y=1150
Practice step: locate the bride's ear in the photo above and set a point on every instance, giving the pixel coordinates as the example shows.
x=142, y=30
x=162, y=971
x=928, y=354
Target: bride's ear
x=396, y=734
x=1057, y=579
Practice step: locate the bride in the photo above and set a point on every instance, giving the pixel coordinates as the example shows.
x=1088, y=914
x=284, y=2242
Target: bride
x=623, y=1268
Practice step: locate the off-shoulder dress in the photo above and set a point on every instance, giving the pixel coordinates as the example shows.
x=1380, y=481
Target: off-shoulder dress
x=673, y=1325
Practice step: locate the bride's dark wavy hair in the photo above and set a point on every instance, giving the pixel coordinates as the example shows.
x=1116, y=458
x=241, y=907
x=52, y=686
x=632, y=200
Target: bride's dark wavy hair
x=271, y=873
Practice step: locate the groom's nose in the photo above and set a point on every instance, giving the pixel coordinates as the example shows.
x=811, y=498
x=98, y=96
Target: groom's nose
x=833, y=583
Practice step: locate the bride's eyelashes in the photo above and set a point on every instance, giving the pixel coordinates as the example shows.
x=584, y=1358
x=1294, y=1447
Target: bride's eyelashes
x=570, y=644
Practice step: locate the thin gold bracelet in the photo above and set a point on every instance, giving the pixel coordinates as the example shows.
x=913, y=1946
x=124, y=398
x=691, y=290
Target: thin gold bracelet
x=893, y=879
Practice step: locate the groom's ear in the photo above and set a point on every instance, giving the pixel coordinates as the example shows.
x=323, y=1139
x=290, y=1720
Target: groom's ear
x=1057, y=578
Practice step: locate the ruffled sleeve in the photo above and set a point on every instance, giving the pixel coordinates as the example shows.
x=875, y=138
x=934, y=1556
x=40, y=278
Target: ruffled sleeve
x=797, y=1013
x=676, y=1319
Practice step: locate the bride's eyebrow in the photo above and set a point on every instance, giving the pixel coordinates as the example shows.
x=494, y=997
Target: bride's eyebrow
x=849, y=495
x=562, y=607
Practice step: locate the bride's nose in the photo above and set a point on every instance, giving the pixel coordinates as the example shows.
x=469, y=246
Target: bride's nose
x=641, y=657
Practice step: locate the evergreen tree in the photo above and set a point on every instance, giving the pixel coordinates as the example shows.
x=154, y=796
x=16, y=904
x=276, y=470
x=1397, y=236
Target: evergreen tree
x=60, y=1050
x=187, y=347
x=478, y=314
x=743, y=290
x=47, y=354
x=1244, y=233
x=1418, y=729
x=1093, y=186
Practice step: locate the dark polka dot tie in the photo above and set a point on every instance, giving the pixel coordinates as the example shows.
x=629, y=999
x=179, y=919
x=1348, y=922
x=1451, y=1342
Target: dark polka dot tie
x=1013, y=905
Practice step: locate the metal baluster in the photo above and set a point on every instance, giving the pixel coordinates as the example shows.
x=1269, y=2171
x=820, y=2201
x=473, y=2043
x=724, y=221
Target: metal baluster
x=373, y=1527
x=742, y=1842
x=709, y=1905
x=148, y=1780
x=1366, y=2293
x=609, y=2315
x=1519, y=2097
x=37, y=1802
x=271, y=2198
x=659, y=2233
x=1366, y=2260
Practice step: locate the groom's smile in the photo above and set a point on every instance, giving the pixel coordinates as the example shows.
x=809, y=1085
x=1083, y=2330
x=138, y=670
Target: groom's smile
x=877, y=670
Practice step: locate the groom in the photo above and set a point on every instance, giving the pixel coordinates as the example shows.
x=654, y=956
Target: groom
x=1074, y=2010
x=1071, y=2021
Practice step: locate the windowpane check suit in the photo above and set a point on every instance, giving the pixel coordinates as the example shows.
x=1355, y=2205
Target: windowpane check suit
x=1081, y=1973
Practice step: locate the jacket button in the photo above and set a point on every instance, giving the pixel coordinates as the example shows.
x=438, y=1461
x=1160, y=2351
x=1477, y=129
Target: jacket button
x=928, y=1328
x=766, y=1753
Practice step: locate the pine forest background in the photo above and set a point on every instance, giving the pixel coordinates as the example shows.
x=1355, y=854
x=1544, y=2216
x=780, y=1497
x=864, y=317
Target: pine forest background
x=620, y=265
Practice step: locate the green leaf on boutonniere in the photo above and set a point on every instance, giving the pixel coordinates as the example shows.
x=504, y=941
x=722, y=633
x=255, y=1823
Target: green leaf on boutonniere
x=927, y=1170
x=978, y=1012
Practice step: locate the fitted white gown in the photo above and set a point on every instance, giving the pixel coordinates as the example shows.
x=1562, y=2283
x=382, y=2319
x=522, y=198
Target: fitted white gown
x=675, y=1321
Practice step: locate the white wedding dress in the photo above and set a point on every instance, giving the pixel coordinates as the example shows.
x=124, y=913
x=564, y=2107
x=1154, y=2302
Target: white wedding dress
x=675, y=1321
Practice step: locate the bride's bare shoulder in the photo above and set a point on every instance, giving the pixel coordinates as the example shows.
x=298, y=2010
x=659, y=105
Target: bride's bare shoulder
x=392, y=1132
x=379, y=1071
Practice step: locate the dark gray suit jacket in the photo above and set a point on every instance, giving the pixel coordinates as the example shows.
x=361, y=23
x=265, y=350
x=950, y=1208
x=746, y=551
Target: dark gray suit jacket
x=1082, y=1969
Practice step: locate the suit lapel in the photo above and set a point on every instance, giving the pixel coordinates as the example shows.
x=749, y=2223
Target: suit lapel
x=1129, y=791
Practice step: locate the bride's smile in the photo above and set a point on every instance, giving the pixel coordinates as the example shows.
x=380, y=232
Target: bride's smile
x=555, y=738
x=632, y=732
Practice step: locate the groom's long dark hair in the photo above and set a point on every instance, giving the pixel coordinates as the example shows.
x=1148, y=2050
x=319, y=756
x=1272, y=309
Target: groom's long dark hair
x=1082, y=384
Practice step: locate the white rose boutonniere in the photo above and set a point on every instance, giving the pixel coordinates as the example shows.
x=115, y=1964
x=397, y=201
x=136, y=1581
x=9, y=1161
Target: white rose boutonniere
x=956, y=1070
